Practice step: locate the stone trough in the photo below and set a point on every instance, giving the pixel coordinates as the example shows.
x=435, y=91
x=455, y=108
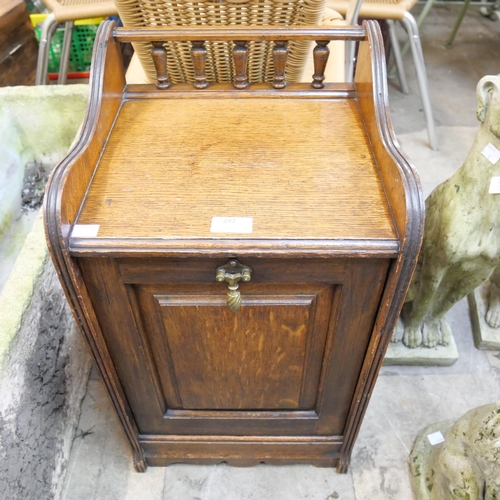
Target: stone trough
x=44, y=364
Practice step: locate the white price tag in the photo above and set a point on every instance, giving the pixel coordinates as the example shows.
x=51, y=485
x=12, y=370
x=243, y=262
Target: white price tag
x=494, y=185
x=491, y=152
x=231, y=225
x=435, y=438
x=85, y=230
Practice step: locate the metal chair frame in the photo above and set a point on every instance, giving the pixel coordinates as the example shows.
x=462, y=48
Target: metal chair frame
x=353, y=9
x=67, y=14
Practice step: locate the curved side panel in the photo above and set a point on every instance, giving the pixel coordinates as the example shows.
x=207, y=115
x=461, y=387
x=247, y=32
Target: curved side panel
x=404, y=193
x=399, y=177
x=64, y=196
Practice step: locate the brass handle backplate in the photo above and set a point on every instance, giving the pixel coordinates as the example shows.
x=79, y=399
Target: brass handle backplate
x=232, y=273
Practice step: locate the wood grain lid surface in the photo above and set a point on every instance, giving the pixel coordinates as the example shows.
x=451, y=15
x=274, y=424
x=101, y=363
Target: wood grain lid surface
x=300, y=168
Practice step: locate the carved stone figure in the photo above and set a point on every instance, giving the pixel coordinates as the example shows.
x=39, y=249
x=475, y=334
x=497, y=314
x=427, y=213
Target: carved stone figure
x=461, y=247
x=493, y=312
x=466, y=466
x=484, y=310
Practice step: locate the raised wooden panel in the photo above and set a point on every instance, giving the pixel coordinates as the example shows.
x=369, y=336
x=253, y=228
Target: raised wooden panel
x=260, y=358
x=264, y=348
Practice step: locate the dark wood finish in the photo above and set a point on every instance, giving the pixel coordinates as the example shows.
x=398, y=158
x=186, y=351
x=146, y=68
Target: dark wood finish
x=320, y=55
x=280, y=55
x=254, y=91
x=122, y=247
x=287, y=361
x=337, y=213
x=238, y=33
x=240, y=56
x=166, y=450
x=264, y=368
x=18, y=46
x=70, y=180
x=190, y=271
x=199, y=55
x=159, y=54
x=403, y=190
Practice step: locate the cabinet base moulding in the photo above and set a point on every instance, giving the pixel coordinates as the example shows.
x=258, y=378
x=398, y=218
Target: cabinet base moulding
x=162, y=451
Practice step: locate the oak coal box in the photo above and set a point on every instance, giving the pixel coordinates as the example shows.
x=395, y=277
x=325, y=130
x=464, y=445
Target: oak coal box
x=236, y=258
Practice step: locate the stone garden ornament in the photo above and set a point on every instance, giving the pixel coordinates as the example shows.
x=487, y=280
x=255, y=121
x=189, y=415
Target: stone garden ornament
x=461, y=246
x=466, y=466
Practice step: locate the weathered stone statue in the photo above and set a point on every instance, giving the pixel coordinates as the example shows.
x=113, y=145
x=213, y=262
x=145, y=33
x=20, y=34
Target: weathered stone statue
x=484, y=310
x=466, y=466
x=461, y=247
x=493, y=312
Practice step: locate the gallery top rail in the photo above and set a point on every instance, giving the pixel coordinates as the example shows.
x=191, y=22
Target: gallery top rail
x=238, y=33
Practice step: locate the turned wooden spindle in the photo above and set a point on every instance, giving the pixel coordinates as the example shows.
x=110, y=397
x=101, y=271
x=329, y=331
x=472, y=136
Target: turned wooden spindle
x=240, y=56
x=320, y=54
x=280, y=54
x=159, y=54
x=199, y=56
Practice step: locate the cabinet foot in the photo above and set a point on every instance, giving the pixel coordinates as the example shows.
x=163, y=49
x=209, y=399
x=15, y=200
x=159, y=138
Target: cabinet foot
x=343, y=465
x=139, y=462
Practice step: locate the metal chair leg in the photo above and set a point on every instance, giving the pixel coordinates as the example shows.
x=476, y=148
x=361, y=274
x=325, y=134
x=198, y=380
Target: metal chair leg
x=49, y=27
x=418, y=57
x=65, y=52
x=350, y=49
x=396, y=50
x=350, y=46
x=458, y=22
x=420, y=21
x=425, y=11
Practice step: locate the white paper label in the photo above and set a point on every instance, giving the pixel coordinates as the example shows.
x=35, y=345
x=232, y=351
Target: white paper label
x=491, y=152
x=231, y=225
x=85, y=230
x=494, y=185
x=435, y=438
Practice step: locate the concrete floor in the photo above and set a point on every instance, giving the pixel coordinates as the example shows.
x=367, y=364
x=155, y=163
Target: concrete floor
x=405, y=399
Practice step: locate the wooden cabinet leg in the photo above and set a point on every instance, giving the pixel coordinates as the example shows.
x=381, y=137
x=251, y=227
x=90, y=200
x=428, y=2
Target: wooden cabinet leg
x=344, y=463
x=139, y=462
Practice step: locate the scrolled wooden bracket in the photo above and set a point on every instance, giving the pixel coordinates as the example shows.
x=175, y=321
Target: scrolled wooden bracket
x=232, y=273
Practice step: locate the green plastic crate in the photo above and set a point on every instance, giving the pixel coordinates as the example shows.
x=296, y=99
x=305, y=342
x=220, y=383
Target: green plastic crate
x=82, y=44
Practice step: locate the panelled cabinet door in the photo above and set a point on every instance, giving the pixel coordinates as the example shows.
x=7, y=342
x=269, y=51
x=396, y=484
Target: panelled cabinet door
x=286, y=363
x=262, y=357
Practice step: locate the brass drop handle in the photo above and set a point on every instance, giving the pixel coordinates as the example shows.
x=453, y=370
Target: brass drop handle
x=232, y=273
